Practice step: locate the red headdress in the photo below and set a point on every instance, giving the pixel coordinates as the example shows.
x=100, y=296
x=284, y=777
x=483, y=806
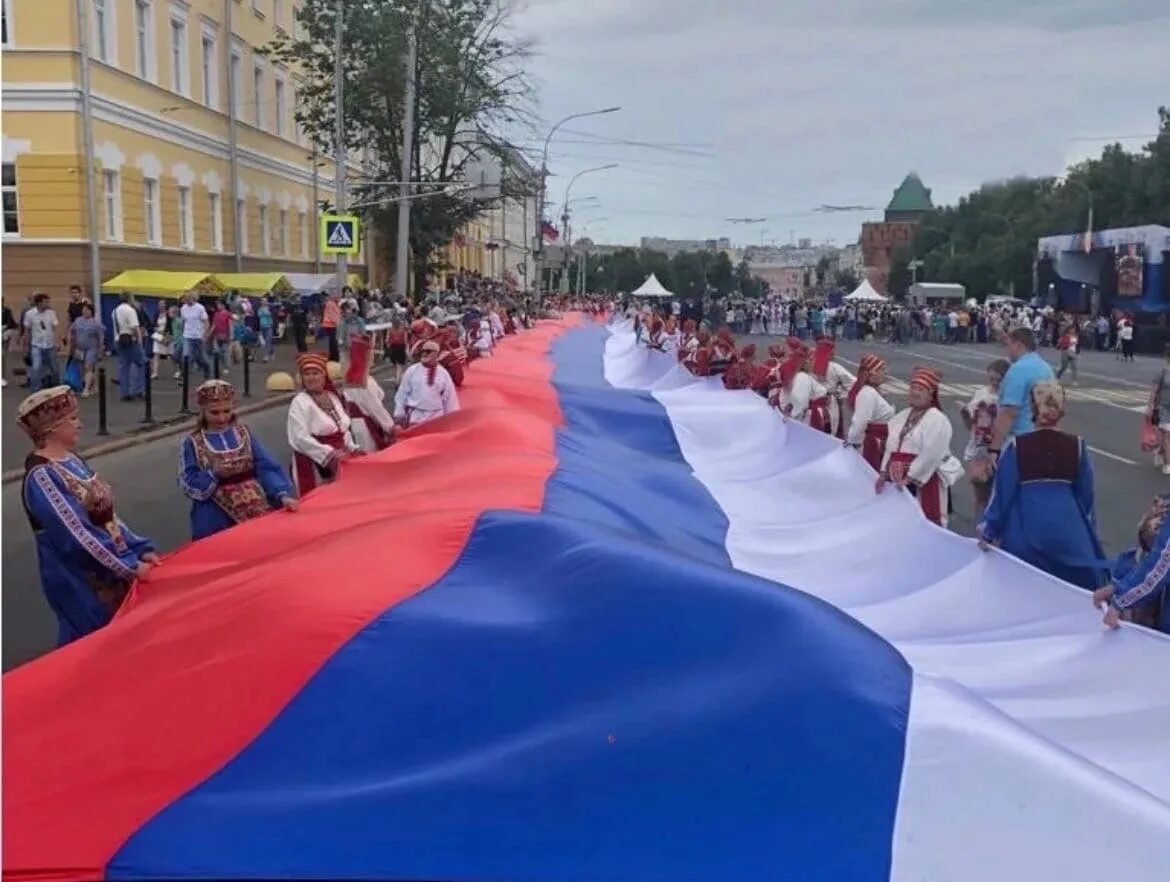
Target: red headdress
x=725, y=334
x=929, y=379
x=422, y=328
x=795, y=344
x=777, y=351
x=748, y=352
x=212, y=391
x=822, y=356
x=790, y=368
x=315, y=361
x=866, y=368
x=689, y=326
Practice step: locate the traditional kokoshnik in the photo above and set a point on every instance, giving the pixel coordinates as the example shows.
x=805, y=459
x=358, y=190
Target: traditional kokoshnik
x=919, y=447
x=869, y=426
x=318, y=430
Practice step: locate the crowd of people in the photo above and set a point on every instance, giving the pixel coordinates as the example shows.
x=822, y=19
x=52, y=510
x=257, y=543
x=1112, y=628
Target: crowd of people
x=1035, y=481
x=1034, y=492
x=88, y=556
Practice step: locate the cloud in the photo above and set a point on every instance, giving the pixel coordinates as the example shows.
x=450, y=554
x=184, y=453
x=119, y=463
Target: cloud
x=800, y=103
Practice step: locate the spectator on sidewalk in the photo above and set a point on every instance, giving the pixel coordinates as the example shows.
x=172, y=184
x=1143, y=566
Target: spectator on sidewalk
x=196, y=329
x=1070, y=347
x=86, y=343
x=1125, y=338
x=40, y=328
x=330, y=319
x=221, y=335
x=264, y=324
x=1014, y=414
x=77, y=301
x=11, y=335
x=128, y=333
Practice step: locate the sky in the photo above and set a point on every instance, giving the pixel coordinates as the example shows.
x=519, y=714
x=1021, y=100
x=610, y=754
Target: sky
x=770, y=108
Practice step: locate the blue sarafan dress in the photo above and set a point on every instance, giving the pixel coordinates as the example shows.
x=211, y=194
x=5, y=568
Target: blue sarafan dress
x=1141, y=575
x=1042, y=510
x=229, y=477
x=87, y=555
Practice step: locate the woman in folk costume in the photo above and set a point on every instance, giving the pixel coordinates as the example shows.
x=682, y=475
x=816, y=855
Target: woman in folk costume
x=224, y=469
x=421, y=330
x=370, y=422
x=767, y=372
x=426, y=391
x=688, y=341
x=87, y=556
x=479, y=338
x=656, y=339
x=673, y=336
x=495, y=323
x=836, y=380
x=723, y=351
x=1042, y=501
x=918, y=452
x=741, y=373
x=798, y=396
x=319, y=428
x=871, y=413
x=452, y=354
x=1140, y=588
x=698, y=358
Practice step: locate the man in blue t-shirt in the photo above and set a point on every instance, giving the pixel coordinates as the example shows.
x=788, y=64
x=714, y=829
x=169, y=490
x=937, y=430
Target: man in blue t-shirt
x=1014, y=416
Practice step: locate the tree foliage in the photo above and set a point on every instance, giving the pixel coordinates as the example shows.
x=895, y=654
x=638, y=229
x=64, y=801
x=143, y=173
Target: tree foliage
x=470, y=88
x=689, y=274
x=987, y=241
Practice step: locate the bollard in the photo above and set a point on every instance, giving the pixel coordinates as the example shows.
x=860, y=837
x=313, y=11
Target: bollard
x=148, y=397
x=184, y=408
x=102, y=418
x=215, y=363
x=247, y=372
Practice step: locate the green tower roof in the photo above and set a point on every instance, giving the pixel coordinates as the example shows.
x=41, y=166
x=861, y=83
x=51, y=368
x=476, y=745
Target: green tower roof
x=911, y=195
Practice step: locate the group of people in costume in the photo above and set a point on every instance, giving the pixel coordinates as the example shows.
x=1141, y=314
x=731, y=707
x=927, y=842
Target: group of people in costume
x=89, y=558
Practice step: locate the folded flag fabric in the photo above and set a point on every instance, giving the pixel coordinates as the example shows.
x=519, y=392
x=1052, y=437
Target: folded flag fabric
x=608, y=622
x=550, y=233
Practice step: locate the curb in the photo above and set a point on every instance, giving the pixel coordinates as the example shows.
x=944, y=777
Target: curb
x=174, y=426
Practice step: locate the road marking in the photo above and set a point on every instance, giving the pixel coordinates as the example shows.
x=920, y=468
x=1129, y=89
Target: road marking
x=1101, y=452
x=973, y=355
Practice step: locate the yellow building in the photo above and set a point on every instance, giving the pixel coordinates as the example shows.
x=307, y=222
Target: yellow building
x=162, y=148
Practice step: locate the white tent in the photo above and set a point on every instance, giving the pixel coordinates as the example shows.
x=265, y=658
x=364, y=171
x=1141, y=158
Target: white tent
x=651, y=288
x=866, y=292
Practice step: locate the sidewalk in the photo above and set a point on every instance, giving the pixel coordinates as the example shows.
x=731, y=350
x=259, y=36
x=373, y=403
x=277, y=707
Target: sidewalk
x=126, y=419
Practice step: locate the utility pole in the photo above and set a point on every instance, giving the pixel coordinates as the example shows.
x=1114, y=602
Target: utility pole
x=95, y=258
x=339, y=158
x=316, y=221
x=402, y=254
x=233, y=141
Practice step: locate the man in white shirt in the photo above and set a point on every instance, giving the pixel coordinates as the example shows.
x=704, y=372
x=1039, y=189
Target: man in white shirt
x=196, y=326
x=131, y=358
x=40, y=328
x=426, y=390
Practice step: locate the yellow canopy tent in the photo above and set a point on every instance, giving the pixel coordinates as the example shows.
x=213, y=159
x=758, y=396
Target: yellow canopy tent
x=355, y=281
x=255, y=283
x=162, y=283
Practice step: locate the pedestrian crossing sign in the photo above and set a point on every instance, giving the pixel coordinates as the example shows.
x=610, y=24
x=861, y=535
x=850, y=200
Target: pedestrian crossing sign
x=340, y=234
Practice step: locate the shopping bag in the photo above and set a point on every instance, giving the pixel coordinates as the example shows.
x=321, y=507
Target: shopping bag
x=1149, y=437
x=72, y=376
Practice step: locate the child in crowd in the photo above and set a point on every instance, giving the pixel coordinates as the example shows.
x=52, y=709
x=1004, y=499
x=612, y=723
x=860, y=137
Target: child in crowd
x=979, y=418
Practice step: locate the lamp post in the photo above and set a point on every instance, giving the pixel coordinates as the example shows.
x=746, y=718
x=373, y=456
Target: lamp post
x=544, y=170
x=565, y=219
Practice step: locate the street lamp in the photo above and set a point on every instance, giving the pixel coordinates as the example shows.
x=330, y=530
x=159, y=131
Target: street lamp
x=569, y=189
x=544, y=169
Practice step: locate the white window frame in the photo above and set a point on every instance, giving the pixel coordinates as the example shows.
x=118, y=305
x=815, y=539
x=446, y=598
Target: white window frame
x=282, y=231
x=242, y=211
x=145, y=47
x=6, y=11
x=265, y=232
x=112, y=204
x=152, y=210
x=236, y=86
x=256, y=8
x=215, y=209
x=303, y=231
x=278, y=13
x=186, y=219
x=279, y=101
x=180, y=54
x=105, y=30
x=209, y=68
x=259, y=117
x=14, y=189
x=298, y=129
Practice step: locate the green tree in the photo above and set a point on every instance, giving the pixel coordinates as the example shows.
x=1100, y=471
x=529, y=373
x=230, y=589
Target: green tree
x=847, y=280
x=470, y=84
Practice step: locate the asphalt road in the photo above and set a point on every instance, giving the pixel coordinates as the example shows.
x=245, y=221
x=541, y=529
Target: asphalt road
x=1105, y=409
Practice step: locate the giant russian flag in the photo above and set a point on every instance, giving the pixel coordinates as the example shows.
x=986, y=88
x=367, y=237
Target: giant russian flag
x=607, y=623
